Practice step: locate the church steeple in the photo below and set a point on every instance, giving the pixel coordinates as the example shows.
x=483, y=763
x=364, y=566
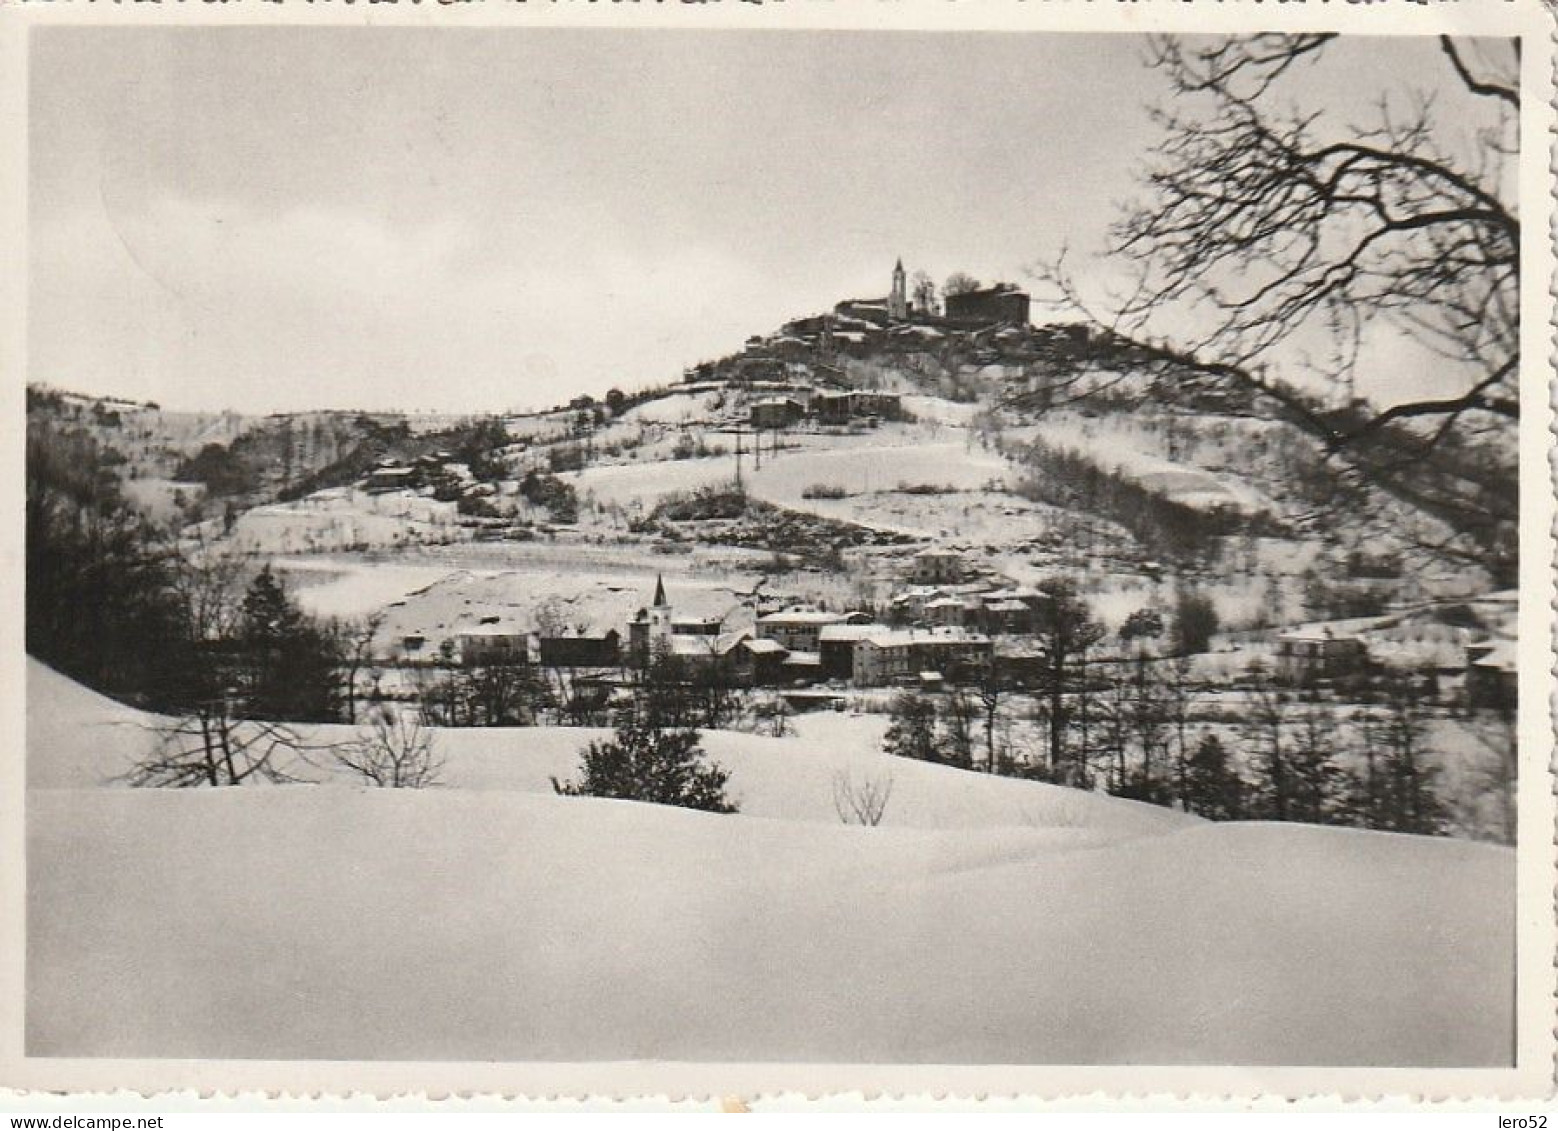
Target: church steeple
x=898, y=300
x=660, y=601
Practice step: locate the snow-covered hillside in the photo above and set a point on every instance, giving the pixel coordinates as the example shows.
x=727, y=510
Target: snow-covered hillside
x=986, y=920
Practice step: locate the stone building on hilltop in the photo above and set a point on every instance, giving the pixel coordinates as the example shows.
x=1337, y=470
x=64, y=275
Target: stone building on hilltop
x=988, y=306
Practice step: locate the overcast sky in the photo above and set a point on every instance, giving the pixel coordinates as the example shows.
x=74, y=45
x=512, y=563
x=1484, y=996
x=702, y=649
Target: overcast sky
x=460, y=220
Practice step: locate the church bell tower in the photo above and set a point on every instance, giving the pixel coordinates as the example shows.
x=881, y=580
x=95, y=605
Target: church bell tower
x=898, y=300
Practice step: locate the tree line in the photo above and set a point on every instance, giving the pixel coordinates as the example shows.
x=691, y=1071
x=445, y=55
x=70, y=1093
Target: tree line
x=1122, y=715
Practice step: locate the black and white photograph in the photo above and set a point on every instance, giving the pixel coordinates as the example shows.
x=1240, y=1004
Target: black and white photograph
x=783, y=545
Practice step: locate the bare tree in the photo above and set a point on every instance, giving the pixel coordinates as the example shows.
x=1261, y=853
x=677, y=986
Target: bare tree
x=864, y=803
x=991, y=691
x=1497, y=774
x=208, y=587
x=1268, y=227
x=1388, y=222
x=1266, y=722
x=392, y=750
x=1179, y=701
x=202, y=741
x=958, y=716
x=551, y=618
x=501, y=692
x=356, y=647
x=208, y=746
x=1066, y=630
x=923, y=288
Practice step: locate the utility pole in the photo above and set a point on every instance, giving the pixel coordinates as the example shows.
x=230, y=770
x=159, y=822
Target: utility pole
x=738, y=430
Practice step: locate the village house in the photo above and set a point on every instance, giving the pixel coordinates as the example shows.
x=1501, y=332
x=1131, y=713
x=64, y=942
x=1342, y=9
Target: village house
x=705, y=652
x=390, y=477
x=934, y=566
x=832, y=408
x=696, y=626
x=900, y=656
x=486, y=644
x=1492, y=675
x=866, y=403
x=775, y=413
x=755, y=662
x=837, y=409
x=1005, y=612
x=909, y=605
x=801, y=669
x=581, y=651
x=1309, y=654
x=946, y=612
x=799, y=629
x=836, y=647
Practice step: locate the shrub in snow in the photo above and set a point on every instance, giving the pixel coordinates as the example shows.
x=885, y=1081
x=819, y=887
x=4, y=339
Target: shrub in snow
x=862, y=803
x=643, y=762
x=824, y=491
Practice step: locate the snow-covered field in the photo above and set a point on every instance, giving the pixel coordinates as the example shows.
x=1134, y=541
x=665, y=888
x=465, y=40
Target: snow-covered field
x=985, y=920
x=1118, y=443
x=340, y=519
x=865, y=463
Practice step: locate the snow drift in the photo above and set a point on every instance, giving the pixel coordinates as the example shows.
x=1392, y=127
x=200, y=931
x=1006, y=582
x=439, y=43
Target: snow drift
x=502, y=923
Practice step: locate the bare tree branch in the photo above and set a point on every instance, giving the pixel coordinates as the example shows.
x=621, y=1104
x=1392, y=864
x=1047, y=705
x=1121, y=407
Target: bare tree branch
x=1475, y=85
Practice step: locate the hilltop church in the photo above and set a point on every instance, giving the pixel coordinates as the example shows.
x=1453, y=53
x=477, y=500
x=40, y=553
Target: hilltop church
x=1002, y=303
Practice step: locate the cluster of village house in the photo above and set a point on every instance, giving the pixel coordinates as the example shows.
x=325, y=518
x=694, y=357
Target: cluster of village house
x=945, y=630
x=787, y=647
